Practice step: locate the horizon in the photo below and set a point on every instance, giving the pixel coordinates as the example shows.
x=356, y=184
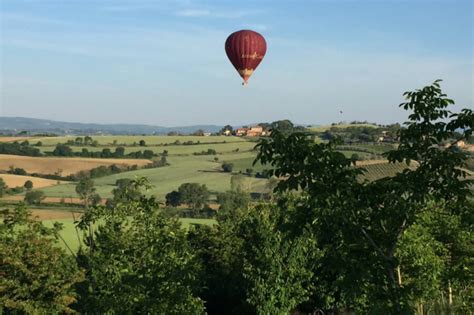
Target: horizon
x=163, y=63
x=354, y=122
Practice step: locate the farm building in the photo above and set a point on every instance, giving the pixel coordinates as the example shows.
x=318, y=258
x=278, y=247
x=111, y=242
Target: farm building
x=256, y=131
x=241, y=132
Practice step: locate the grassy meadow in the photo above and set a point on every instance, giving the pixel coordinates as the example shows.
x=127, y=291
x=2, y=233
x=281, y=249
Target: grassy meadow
x=71, y=237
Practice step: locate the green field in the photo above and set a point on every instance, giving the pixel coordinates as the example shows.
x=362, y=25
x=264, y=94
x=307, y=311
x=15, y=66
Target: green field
x=71, y=237
x=182, y=169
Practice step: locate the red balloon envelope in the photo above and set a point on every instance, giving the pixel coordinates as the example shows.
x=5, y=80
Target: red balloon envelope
x=245, y=50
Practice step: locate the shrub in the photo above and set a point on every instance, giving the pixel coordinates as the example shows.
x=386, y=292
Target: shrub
x=34, y=197
x=227, y=167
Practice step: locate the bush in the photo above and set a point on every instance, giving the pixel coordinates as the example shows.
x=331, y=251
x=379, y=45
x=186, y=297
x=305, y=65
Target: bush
x=28, y=185
x=38, y=277
x=19, y=149
x=17, y=171
x=227, y=167
x=173, y=198
x=34, y=197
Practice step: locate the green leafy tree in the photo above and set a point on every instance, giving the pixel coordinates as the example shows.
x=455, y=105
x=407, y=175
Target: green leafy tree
x=227, y=167
x=36, y=275
x=353, y=218
x=3, y=187
x=140, y=262
x=119, y=152
x=253, y=264
x=125, y=190
x=142, y=143
x=87, y=140
x=275, y=263
x=62, y=150
x=231, y=201
x=226, y=128
x=28, y=185
x=284, y=125
x=193, y=194
x=34, y=197
x=173, y=198
x=85, y=189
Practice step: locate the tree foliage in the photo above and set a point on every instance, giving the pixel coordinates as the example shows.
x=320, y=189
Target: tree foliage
x=139, y=262
x=193, y=194
x=34, y=197
x=36, y=275
x=353, y=218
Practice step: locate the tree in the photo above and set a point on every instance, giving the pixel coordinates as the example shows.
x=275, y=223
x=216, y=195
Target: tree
x=353, y=218
x=156, y=272
x=87, y=140
x=85, y=189
x=253, y=264
x=106, y=153
x=275, y=263
x=17, y=171
x=34, y=197
x=28, y=185
x=148, y=154
x=199, y=132
x=231, y=201
x=227, y=129
x=227, y=167
x=282, y=125
x=3, y=187
x=37, y=276
x=95, y=199
x=119, y=152
x=62, y=150
x=78, y=141
x=125, y=191
x=194, y=195
x=173, y=198
x=142, y=143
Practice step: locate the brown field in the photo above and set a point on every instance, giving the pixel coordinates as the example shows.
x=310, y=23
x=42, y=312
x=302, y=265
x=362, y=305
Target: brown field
x=67, y=166
x=18, y=180
x=13, y=139
x=69, y=200
x=45, y=214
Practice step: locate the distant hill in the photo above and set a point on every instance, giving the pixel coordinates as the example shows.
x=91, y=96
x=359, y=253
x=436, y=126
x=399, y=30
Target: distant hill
x=33, y=125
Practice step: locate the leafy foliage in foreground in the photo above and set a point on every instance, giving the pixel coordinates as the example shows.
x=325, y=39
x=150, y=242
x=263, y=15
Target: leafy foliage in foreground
x=378, y=220
x=138, y=261
x=36, y=276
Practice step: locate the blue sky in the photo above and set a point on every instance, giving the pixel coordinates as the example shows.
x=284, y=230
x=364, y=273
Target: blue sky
x=163, y=62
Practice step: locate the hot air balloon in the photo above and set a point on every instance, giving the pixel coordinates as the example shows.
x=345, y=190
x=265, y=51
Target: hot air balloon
x=245, y=50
